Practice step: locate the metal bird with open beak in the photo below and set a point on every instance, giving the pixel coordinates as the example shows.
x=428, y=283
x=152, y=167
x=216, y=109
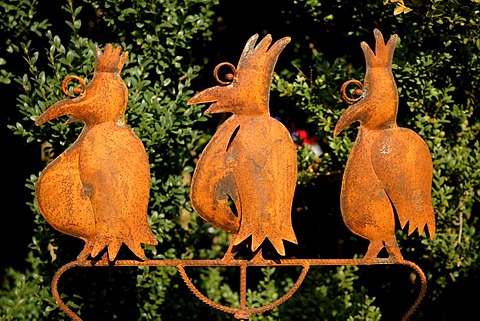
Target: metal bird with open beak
x=251, y=160
x=389, y=170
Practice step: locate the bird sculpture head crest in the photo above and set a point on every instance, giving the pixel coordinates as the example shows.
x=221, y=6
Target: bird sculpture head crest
x=260, y=59
x=375, y=101
x=103, y=99
x=249, y=84
x=383, y=55
x=110, y=60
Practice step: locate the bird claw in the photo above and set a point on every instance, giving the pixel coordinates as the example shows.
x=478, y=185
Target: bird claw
x=394, y=254
x=228, y=257
x=392, y=248
x=258, y=257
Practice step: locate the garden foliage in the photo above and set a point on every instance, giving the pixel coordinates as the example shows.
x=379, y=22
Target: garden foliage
x=437, y=72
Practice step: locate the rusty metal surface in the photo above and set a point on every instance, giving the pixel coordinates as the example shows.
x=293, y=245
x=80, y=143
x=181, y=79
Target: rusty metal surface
x=389, y=170
x=243, y=312
x=251, y=160
x=98, y=189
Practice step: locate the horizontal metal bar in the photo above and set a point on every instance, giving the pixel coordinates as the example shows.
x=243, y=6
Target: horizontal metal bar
x=259, y=263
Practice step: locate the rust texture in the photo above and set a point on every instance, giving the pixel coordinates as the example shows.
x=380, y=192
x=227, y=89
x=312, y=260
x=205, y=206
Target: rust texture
x=98, y=189
x=243, y=312
x=389, y=170
x=251, y=160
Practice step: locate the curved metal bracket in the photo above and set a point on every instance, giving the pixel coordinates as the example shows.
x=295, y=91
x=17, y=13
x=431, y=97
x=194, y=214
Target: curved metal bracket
x=243, y=312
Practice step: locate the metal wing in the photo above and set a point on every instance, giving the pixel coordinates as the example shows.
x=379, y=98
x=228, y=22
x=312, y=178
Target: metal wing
x=115, y=173
x=212, y=181
x=265, y=174
x=402, y=161
x=59, y=200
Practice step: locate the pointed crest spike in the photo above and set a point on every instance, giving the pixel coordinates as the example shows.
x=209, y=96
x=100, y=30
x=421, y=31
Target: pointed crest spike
x=110, y=60
x=383, y=55
x=264, y=44
x=261, y=56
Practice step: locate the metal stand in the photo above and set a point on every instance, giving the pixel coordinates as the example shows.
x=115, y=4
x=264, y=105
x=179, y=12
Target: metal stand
x=243, y=312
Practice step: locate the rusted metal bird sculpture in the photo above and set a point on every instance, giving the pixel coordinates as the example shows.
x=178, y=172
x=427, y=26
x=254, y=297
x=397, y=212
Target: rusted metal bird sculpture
x=98, y=188
x=389, y=170
x=251, y=160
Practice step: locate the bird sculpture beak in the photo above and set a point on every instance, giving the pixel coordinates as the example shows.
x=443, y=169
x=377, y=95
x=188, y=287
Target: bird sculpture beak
x=220, y=96
x=356, y=112
x=61, y=108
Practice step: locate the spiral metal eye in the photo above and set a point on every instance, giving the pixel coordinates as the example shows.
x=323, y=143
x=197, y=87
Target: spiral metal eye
x=76, y=91
x=228, y=77
x=357, y=93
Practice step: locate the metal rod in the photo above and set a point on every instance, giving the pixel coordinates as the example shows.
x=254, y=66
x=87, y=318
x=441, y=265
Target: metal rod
x=260, y=263
x=242, y=313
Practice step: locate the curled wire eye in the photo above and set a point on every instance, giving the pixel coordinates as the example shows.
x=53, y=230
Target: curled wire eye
x=357, y=93
x=76, y=91
x=228, y=77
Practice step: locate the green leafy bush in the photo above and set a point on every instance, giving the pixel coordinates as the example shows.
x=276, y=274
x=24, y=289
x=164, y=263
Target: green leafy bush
x=436, y=69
